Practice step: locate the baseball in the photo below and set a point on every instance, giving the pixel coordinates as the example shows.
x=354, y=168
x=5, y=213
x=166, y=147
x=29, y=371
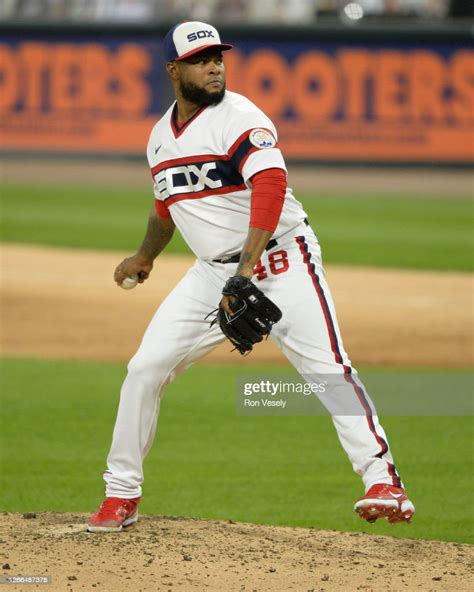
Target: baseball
x=129, y=282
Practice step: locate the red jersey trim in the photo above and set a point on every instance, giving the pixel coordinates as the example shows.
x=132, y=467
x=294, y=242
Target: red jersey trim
x=205, y=193
x=186, y=160
x=237, y=142
x=210, y=157
x=161, y=209
x=244, y=159
x=178, y=130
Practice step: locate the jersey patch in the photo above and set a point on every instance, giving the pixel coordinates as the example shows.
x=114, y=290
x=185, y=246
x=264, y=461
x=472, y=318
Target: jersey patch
x=248, y=143
x=262, y=138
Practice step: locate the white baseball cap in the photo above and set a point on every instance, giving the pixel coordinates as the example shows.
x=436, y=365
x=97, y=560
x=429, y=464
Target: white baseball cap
x=186, y=39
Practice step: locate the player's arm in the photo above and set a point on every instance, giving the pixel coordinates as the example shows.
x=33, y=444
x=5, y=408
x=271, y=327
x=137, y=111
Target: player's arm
x=256, y=241
x=158, y=234
x=268, y=195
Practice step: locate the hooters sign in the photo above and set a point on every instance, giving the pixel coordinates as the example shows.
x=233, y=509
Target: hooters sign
x=380, y=104
x=329, y=101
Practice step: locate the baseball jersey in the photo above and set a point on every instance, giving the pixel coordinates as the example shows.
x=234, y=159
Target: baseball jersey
x=202, y=169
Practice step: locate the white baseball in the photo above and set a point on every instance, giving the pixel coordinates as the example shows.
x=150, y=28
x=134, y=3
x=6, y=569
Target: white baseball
x=129, y=282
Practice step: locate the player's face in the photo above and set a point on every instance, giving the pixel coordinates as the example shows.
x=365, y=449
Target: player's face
x=202, y=78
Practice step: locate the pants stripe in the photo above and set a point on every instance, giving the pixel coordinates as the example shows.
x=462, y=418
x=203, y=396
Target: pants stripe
x=303, y=246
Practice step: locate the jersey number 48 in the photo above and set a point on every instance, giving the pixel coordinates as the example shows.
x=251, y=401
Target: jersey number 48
x=277, y=262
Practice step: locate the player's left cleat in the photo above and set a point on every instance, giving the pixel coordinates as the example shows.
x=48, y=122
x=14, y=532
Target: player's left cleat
x=114, y=514
x=385, y=501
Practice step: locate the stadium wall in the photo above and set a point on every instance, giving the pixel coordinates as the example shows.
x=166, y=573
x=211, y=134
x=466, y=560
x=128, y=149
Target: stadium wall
x=402, y=94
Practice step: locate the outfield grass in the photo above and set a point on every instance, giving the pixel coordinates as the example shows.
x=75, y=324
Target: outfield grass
x=56, y=425
x=388, y=231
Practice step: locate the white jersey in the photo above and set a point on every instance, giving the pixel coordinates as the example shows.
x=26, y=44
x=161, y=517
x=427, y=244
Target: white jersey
x=202, y=171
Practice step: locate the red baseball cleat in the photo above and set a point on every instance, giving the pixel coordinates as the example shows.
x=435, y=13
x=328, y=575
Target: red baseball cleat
x=385, y=501
x=114, y=514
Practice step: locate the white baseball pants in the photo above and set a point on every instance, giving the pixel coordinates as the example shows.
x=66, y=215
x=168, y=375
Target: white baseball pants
x=308, y=334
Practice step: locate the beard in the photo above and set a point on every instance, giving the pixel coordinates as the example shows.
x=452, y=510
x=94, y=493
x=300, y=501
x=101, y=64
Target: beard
x=199, y=96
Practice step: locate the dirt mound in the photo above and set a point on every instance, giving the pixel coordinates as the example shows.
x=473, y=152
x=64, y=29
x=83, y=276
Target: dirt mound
x=62, y=303
x=162, y=553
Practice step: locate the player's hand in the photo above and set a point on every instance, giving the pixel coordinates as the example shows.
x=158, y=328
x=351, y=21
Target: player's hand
x=226, y=302
x=131, y=266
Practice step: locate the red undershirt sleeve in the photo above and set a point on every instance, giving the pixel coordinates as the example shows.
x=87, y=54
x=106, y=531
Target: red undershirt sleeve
x=161, y=209
x=268, y=195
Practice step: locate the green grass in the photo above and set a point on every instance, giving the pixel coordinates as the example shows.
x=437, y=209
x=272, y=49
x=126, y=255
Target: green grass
x=56, y=425
x=384, y=230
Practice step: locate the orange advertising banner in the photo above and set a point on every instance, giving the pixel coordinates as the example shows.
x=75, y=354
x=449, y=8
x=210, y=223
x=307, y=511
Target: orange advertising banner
x=330, y=102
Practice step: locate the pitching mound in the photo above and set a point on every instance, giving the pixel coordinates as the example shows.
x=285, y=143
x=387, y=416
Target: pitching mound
x=63, y=303
x=170, y=554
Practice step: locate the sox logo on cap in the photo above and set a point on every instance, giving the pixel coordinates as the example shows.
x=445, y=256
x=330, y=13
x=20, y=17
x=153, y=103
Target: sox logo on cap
x=186, y=39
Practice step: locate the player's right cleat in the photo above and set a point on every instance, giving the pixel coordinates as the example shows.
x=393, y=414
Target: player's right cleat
x=385, y=501
x=114, y=514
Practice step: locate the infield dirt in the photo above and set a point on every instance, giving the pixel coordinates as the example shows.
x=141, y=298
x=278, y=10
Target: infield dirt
x=63, y=303
x=171, y=554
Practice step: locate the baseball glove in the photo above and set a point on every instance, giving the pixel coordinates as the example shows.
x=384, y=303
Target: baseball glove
x=254, y=314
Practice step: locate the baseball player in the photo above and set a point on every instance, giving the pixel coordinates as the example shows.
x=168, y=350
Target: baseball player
x=220, y=178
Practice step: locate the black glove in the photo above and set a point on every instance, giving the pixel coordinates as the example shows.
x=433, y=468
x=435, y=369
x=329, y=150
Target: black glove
x=254, y=314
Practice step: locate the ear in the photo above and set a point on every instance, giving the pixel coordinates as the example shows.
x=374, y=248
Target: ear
x=172, y=69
